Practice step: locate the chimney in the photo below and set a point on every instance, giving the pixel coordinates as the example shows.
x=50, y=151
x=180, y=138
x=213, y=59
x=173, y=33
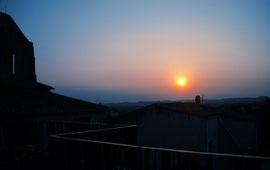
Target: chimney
x=197, y=99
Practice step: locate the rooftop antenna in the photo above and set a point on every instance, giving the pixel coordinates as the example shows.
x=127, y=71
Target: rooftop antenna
x=202, y=99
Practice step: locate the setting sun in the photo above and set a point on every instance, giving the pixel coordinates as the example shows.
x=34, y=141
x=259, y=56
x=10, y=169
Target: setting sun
x=181, y=82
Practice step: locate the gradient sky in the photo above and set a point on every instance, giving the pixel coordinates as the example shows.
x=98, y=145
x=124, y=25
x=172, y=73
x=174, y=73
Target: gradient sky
x=131, y=50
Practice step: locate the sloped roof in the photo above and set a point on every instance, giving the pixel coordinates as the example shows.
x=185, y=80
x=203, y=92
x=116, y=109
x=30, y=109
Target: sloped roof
x=234, y=111
x=41, y=104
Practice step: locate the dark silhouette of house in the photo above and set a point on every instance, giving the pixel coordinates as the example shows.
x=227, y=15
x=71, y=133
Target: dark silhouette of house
x=17, y=66
x=191, y=126
x=21, y=94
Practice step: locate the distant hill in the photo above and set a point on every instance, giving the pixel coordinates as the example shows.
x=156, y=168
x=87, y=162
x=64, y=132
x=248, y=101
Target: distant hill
x=129, y=106
x=235, y=100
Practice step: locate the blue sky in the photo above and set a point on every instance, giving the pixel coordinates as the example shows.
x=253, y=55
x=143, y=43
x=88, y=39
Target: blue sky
x=117, y=50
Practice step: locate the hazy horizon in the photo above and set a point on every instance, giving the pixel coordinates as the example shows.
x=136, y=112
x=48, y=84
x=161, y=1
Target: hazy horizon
x=117, y=51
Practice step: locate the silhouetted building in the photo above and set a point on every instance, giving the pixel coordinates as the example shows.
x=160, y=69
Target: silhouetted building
x=194, y=127
x=17, y=61
x=198, y=99
x=20, y=93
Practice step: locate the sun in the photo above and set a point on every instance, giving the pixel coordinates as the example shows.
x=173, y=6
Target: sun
x=181, y=82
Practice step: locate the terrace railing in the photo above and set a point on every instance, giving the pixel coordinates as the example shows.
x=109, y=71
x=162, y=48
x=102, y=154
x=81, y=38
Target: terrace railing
x=115, y=149
x=73, y=145
x=36, y=132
